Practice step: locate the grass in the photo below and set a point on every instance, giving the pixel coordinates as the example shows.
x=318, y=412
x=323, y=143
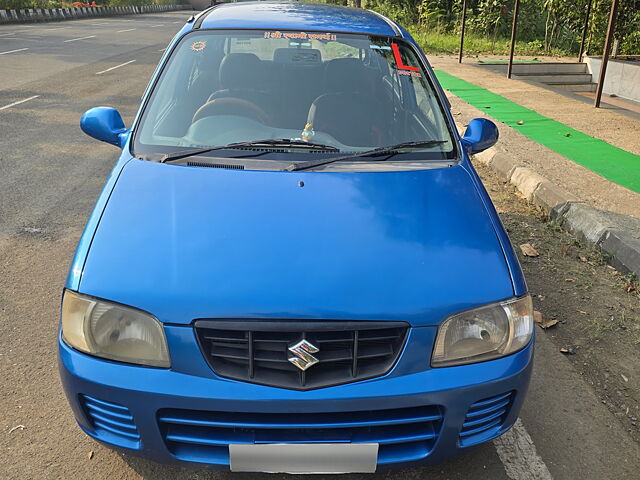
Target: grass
x=449, y=43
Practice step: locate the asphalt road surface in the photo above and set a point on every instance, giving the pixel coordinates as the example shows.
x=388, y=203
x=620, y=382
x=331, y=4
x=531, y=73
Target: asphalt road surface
x=50, y=176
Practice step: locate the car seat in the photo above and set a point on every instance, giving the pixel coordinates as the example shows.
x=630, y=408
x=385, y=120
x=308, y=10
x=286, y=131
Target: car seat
x=348, y=110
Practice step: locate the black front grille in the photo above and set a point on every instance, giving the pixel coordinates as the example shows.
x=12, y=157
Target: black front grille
x=256, y=351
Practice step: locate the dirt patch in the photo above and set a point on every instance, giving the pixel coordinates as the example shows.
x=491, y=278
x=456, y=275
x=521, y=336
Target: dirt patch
x=596, y=307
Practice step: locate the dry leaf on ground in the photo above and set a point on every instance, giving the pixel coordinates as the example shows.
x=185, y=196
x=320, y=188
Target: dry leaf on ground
x=549, y=323
x=528, y=250
x=544, y=323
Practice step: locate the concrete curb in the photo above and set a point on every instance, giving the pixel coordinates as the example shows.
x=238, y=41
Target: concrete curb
x=28, y=15
x=617, y=236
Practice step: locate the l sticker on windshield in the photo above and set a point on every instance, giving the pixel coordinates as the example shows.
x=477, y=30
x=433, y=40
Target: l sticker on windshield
x=301, y=35
x=402, y=68
x=198, y=46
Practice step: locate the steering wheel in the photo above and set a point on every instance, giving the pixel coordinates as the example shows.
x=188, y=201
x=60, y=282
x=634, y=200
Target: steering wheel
x=231, y=106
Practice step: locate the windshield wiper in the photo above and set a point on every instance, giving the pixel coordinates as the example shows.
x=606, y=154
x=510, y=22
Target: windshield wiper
x=270, y=142
x=388, y=151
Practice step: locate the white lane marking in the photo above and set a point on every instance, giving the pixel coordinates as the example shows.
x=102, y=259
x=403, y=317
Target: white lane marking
x=159, y=25
x=179, y=21
x=519, y=456
x=96, y=24
x=113, y=68
x=51, y=29
x=14, y=51
x=18, y=102
x=7, y=34
x=162, y=49
x=127, y=30
x=76, y=39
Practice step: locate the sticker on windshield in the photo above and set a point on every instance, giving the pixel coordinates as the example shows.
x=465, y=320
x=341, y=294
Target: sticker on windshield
x=198, y=46
x=402, y=68
x=301, y=35
x=410, y=74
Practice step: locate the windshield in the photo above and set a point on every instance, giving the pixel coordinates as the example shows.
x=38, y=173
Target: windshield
x=351, y=92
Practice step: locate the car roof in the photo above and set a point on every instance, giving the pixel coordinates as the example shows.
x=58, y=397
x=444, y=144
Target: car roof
x=296, y=16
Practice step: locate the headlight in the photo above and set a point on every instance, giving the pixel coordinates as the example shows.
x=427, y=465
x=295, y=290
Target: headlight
x=113, y=331
x=484, y=333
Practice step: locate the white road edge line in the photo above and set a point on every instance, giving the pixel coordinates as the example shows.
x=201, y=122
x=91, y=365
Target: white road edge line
x=14, y=51
x=113, y=68
x=51, y=29
x=81, y=38
x=126, y=30
x=7, y=34
x=519, y=456
x=18, y=102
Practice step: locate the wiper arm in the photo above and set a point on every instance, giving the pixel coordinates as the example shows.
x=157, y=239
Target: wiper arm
x=170, y=157
x=376, y=152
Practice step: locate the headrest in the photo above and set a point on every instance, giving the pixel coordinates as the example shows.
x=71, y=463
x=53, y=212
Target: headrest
x=345, y=75
x=239, y=70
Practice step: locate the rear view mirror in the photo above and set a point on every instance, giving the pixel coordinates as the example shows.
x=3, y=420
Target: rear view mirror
x=105, y=124
x=480, y=135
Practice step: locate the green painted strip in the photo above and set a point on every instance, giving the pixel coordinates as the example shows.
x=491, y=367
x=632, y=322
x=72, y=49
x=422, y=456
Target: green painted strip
x=611, y=162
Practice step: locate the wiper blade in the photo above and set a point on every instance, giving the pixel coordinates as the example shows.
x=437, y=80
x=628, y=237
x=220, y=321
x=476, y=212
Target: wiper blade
x=170, y=157
x=376, y=152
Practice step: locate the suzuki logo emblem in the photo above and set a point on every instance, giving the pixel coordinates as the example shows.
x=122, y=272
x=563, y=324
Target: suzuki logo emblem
x=303, y=351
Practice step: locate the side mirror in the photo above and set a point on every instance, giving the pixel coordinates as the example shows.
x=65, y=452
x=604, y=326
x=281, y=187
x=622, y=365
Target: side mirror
x=105, y=124
x=480, y=135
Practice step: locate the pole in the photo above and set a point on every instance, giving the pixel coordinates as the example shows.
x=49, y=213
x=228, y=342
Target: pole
x=607, y=48
x=584, y=30
x=513, y=37
x=464, y=20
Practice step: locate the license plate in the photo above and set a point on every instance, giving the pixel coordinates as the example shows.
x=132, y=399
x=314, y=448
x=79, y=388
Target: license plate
x=304, y=457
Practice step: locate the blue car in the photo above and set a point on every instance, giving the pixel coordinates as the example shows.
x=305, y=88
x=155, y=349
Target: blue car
x=293, y=266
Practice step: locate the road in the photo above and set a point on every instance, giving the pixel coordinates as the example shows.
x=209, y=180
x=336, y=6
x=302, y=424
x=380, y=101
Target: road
x=50, y=176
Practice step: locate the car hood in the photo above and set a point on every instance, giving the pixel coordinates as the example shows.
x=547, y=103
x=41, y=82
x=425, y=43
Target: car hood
x=191, y=242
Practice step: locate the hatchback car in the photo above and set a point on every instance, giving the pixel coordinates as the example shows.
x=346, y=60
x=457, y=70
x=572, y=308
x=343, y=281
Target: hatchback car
x=293, y=266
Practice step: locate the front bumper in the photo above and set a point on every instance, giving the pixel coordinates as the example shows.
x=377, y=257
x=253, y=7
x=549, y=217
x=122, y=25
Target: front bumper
x=187, y=414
